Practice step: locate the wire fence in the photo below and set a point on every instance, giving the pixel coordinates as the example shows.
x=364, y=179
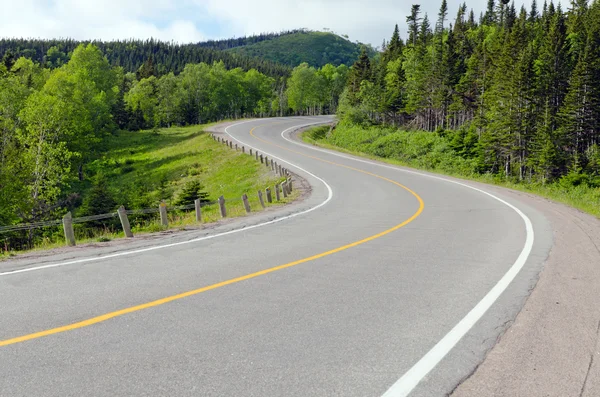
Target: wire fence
x=99, y=217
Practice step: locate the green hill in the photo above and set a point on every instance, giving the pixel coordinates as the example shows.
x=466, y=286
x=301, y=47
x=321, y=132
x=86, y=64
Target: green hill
x=314, y=48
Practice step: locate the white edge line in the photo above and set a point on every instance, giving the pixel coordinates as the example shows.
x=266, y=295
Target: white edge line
x=407, y=383
x=138, y=251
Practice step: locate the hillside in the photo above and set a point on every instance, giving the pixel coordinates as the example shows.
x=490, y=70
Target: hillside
x=314, y=48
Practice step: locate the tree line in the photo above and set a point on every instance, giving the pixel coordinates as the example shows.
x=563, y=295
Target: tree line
x=226, y=44
x=516, y=89
x=132, y=54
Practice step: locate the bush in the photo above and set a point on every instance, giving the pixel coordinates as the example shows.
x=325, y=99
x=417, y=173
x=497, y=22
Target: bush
x=99, y=199
x=192, y=191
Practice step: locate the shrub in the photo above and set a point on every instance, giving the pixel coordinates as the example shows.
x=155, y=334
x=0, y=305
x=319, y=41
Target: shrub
x=99, y=199
x=192, y=191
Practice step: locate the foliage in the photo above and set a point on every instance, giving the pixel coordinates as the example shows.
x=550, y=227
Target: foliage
x=518, y=92
x=192, y=191
x=98, y=199
x=133, y=55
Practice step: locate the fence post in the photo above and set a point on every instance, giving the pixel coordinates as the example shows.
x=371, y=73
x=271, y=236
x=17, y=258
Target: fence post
x=260, y=198
x=277, y=196
x=68, y=228
x=198, y=210
x=164, y=219
x=222, y=207
x=246, y=203
x=269, y=196
x=125, y=222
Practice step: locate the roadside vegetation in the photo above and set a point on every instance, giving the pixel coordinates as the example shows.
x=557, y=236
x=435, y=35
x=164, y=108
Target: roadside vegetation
x=140, y=170
x=61, y=121
x=434, y=152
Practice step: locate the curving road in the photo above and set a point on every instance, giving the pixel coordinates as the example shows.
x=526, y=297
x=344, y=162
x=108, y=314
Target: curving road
x=384, y=281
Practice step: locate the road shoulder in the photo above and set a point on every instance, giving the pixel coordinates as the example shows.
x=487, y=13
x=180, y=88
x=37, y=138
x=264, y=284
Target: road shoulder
x=551, y=348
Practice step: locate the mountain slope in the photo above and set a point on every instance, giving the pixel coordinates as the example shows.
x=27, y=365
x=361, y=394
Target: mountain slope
x=314, y=48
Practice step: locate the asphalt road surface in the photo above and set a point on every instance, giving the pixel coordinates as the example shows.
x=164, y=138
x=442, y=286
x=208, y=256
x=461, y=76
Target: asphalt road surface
x=383, y=282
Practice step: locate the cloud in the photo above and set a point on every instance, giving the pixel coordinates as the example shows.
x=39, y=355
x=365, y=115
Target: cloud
x=366, y=21
x=188, y=21
x=106, y=20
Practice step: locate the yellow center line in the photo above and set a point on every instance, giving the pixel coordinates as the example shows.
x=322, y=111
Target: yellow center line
x=108, y=316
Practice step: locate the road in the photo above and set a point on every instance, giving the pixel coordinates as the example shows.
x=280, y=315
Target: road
x=378, y=282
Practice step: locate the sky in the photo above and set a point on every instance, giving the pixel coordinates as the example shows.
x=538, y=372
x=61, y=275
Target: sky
x=187, y=21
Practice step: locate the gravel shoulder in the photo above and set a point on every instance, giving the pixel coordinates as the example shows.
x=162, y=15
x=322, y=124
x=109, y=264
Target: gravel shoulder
x=552, y=347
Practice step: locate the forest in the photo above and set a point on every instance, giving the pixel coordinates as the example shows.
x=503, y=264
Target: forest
x=132, y=54
x=515, y=92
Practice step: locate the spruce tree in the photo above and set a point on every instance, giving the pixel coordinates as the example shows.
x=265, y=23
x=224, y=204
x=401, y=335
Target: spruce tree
x=489, y=17
x=413, y=21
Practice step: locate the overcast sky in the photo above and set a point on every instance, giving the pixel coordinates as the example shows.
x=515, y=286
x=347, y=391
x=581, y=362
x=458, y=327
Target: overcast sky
x=186, y=21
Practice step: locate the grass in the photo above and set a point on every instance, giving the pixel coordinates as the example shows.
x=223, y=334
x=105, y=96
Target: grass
x=430, y=152
x=143, y=168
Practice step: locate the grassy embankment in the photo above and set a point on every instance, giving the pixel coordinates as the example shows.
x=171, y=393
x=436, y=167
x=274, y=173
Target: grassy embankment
x=142, y=168
x=432, y=152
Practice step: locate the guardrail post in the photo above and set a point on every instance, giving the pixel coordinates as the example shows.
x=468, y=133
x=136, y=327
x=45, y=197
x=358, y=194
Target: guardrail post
x=280, y=172
x=198, y=210
x=246, y=203
x=244, y=149
x=262, y=160
x=277, y=196
x=125, y=222
x=222, y=207
x=284, y=189
x=269, y=196
x=267, y=161
x=260, y=198
x=230, y=145
x=164, y=219
x=68, y=228
x=256, y=155
x=250, y=151
x=290, y=185
x=272, y=166
x=236, y=147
